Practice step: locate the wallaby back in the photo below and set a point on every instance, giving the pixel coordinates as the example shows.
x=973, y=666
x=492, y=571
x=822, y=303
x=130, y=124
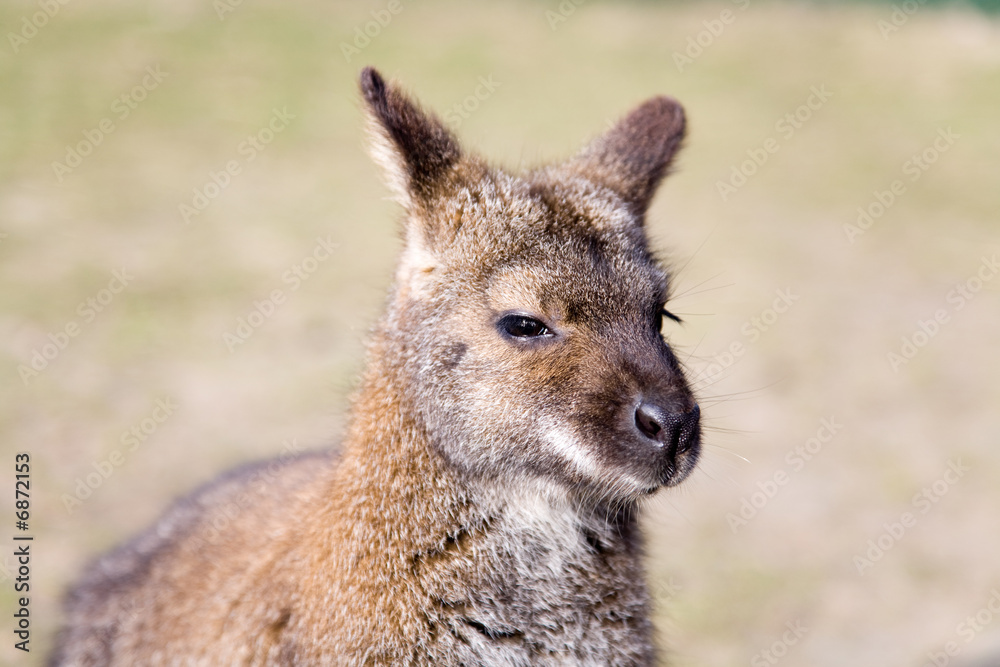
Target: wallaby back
x=518, y=403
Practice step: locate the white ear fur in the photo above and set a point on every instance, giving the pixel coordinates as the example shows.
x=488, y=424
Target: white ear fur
x=414, y=148
x=387, y=156
x=417, y=268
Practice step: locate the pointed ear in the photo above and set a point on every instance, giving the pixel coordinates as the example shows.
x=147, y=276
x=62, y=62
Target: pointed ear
x=413, y=147
x=633, y=156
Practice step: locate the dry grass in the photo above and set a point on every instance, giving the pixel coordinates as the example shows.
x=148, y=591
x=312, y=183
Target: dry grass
x=162, y=337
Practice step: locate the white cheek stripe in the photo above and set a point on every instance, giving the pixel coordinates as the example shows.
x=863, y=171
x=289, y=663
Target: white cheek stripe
x=564, y=442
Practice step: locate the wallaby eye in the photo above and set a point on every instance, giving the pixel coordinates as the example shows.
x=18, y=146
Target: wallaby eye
x=522, y=326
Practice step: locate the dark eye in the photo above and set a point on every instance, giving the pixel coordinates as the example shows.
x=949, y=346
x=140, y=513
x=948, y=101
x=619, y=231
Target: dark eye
x=522, y=326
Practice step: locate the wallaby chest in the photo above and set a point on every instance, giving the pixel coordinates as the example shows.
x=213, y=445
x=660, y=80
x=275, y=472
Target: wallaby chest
x=536, y=583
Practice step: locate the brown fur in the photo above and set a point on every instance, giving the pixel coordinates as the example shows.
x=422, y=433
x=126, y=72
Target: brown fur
x=483, y=509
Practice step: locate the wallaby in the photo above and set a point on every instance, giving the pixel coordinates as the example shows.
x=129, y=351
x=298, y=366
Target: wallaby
x=519, y=402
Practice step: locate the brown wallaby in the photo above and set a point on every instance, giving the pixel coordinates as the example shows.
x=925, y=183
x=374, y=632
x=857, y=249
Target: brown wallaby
x=518, y=404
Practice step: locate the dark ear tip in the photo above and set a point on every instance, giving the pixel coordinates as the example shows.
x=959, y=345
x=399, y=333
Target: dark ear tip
x=666, y=111
x=372, y=85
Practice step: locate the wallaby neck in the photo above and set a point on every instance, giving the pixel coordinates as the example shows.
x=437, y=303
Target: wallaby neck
x=389, y=475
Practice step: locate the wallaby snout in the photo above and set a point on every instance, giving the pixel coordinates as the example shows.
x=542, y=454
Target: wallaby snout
x=676, y=434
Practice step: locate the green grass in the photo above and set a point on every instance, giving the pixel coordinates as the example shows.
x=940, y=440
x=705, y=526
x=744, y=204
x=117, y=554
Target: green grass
x=163, y=336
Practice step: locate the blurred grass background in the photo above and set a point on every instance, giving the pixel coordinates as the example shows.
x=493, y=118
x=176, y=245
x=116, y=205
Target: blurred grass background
x=561, y=72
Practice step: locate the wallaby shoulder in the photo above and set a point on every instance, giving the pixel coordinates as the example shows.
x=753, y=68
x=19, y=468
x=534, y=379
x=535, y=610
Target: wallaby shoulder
x=187, y=549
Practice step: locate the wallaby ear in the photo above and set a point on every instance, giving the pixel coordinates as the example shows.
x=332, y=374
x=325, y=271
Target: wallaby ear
x=413, y=147
x=633, y=156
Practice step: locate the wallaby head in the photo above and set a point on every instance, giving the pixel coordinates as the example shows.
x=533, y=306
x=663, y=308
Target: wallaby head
x=524, y=328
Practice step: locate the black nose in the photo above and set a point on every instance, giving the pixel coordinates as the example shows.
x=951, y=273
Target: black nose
x=675, y=430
